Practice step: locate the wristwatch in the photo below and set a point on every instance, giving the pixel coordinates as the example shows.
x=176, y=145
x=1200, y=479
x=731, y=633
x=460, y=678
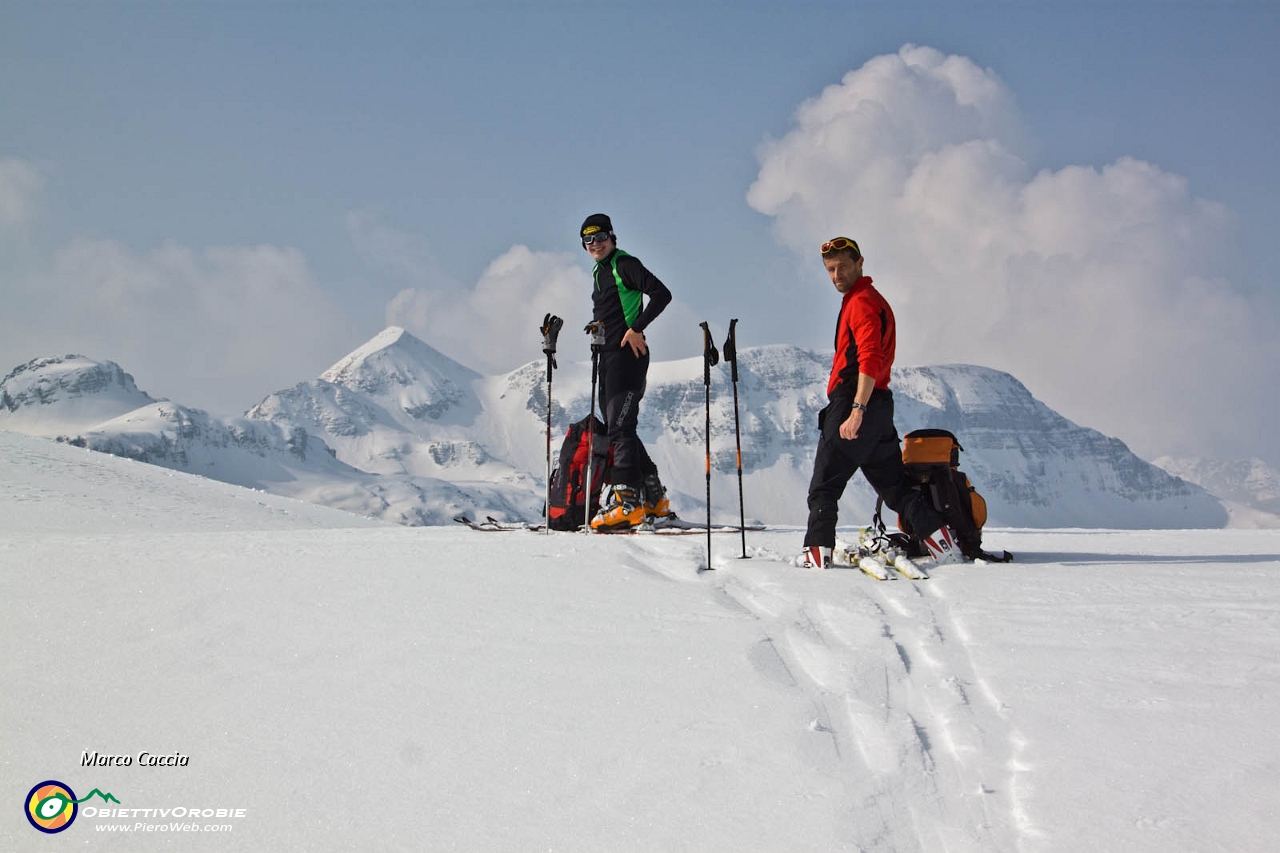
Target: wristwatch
x=858, y=405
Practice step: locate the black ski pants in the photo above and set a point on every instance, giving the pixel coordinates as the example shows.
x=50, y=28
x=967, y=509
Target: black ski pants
x=876, y=451
x=623, y=376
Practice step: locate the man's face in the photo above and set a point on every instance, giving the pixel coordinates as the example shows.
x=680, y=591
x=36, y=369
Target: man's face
x=600, y=249
x=843, y=269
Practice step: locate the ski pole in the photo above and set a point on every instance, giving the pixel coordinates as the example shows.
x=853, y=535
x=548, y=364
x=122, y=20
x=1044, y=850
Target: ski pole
x=709, y=360
x=731, y=356
x=550, y=331
x=596, y=330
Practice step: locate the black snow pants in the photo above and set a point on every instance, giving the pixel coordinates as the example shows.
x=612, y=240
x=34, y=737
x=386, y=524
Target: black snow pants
x=623, y=376
x=877, y=452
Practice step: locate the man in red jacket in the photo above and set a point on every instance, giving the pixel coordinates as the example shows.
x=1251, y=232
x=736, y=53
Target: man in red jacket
x=857, y=429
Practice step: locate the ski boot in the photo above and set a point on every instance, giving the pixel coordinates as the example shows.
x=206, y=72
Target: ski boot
x=943, y=547
x=813, y=557
x=656, y=505
x=622, y=511
x=846, y=554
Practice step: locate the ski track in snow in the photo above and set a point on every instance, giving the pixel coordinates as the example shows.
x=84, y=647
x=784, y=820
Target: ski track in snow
x=910, y=726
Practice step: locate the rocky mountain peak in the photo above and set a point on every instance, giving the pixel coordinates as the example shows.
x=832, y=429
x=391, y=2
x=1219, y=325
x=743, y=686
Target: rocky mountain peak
x=392, y=358
x=54, y=394
x=406, y=375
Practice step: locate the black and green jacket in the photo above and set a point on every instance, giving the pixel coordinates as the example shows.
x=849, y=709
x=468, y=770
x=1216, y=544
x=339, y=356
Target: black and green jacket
x=619, y=284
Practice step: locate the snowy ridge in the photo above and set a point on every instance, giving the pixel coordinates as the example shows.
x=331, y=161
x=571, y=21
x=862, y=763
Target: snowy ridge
x=416, y=379
x=1250, y=487
x=1023, y=455
x=55, y=488
x=50, y=396
x=396, y=406
x=399, y=431
x=1035, y=467
x=96, y=405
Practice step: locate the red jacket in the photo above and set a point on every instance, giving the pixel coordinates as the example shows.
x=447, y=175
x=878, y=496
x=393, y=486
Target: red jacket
x=866, y=338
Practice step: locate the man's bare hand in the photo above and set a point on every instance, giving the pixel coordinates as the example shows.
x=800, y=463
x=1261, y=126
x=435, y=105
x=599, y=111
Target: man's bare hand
x=849, y=429
x=635, y=340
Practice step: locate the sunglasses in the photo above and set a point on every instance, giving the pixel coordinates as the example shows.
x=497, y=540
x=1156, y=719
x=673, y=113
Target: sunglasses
x=840, y=243
x=598, y=237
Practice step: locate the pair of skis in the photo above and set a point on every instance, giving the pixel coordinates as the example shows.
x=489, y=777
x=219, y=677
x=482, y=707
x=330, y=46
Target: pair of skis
x=876, y=556
x=881, y=565
x=670, y=526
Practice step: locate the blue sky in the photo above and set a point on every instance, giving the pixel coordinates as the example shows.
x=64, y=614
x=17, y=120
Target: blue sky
x=225, y=198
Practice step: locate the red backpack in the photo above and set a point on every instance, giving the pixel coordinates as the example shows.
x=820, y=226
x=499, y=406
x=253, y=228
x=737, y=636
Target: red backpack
x=568, y=495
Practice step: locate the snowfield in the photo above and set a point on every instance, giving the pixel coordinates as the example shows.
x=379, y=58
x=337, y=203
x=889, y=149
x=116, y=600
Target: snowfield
x=352, y=685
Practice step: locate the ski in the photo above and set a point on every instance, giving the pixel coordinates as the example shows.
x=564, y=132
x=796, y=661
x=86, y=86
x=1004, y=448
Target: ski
x=906, y=567
x=874, y=566
x=875, y=560
x=515, y=525
x=845, y=556
x=888, y=554
x=669, y=527
x=490, y=525
x=874, y=556
x=673, y=522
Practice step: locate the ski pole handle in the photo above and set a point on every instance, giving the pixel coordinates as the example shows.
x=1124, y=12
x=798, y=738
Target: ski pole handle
x=596, y=330
x=710, y=357
x=731, y=348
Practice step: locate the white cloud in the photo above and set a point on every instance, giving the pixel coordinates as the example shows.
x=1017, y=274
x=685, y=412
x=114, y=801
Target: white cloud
x=20, y=188
x=200, y=326
x=1108, y=291
x=494, y=326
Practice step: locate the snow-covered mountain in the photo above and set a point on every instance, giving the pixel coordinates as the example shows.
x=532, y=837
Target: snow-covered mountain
x=96, y=405
x=54, y=396
x=1035, y=467
x=399, y=431
x=394, y=406
x=1249, y=487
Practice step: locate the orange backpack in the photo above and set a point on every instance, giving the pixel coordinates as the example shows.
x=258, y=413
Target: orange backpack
x=932, y=460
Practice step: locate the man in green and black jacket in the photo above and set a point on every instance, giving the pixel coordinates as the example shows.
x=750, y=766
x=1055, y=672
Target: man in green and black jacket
x=619, y=284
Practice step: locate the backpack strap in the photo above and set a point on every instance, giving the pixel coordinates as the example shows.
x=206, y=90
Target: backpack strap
x=877, y=522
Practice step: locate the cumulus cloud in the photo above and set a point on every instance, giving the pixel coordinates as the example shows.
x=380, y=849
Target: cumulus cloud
x=493, y=327
x=203, y=327
x=1108, y=291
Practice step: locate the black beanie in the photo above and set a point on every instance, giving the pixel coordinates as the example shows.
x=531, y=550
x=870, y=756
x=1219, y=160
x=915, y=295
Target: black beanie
x=594, y=223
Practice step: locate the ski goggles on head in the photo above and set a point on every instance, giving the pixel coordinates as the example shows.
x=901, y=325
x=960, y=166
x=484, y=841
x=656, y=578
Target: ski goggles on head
x=598, y=237
x=840, y=243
